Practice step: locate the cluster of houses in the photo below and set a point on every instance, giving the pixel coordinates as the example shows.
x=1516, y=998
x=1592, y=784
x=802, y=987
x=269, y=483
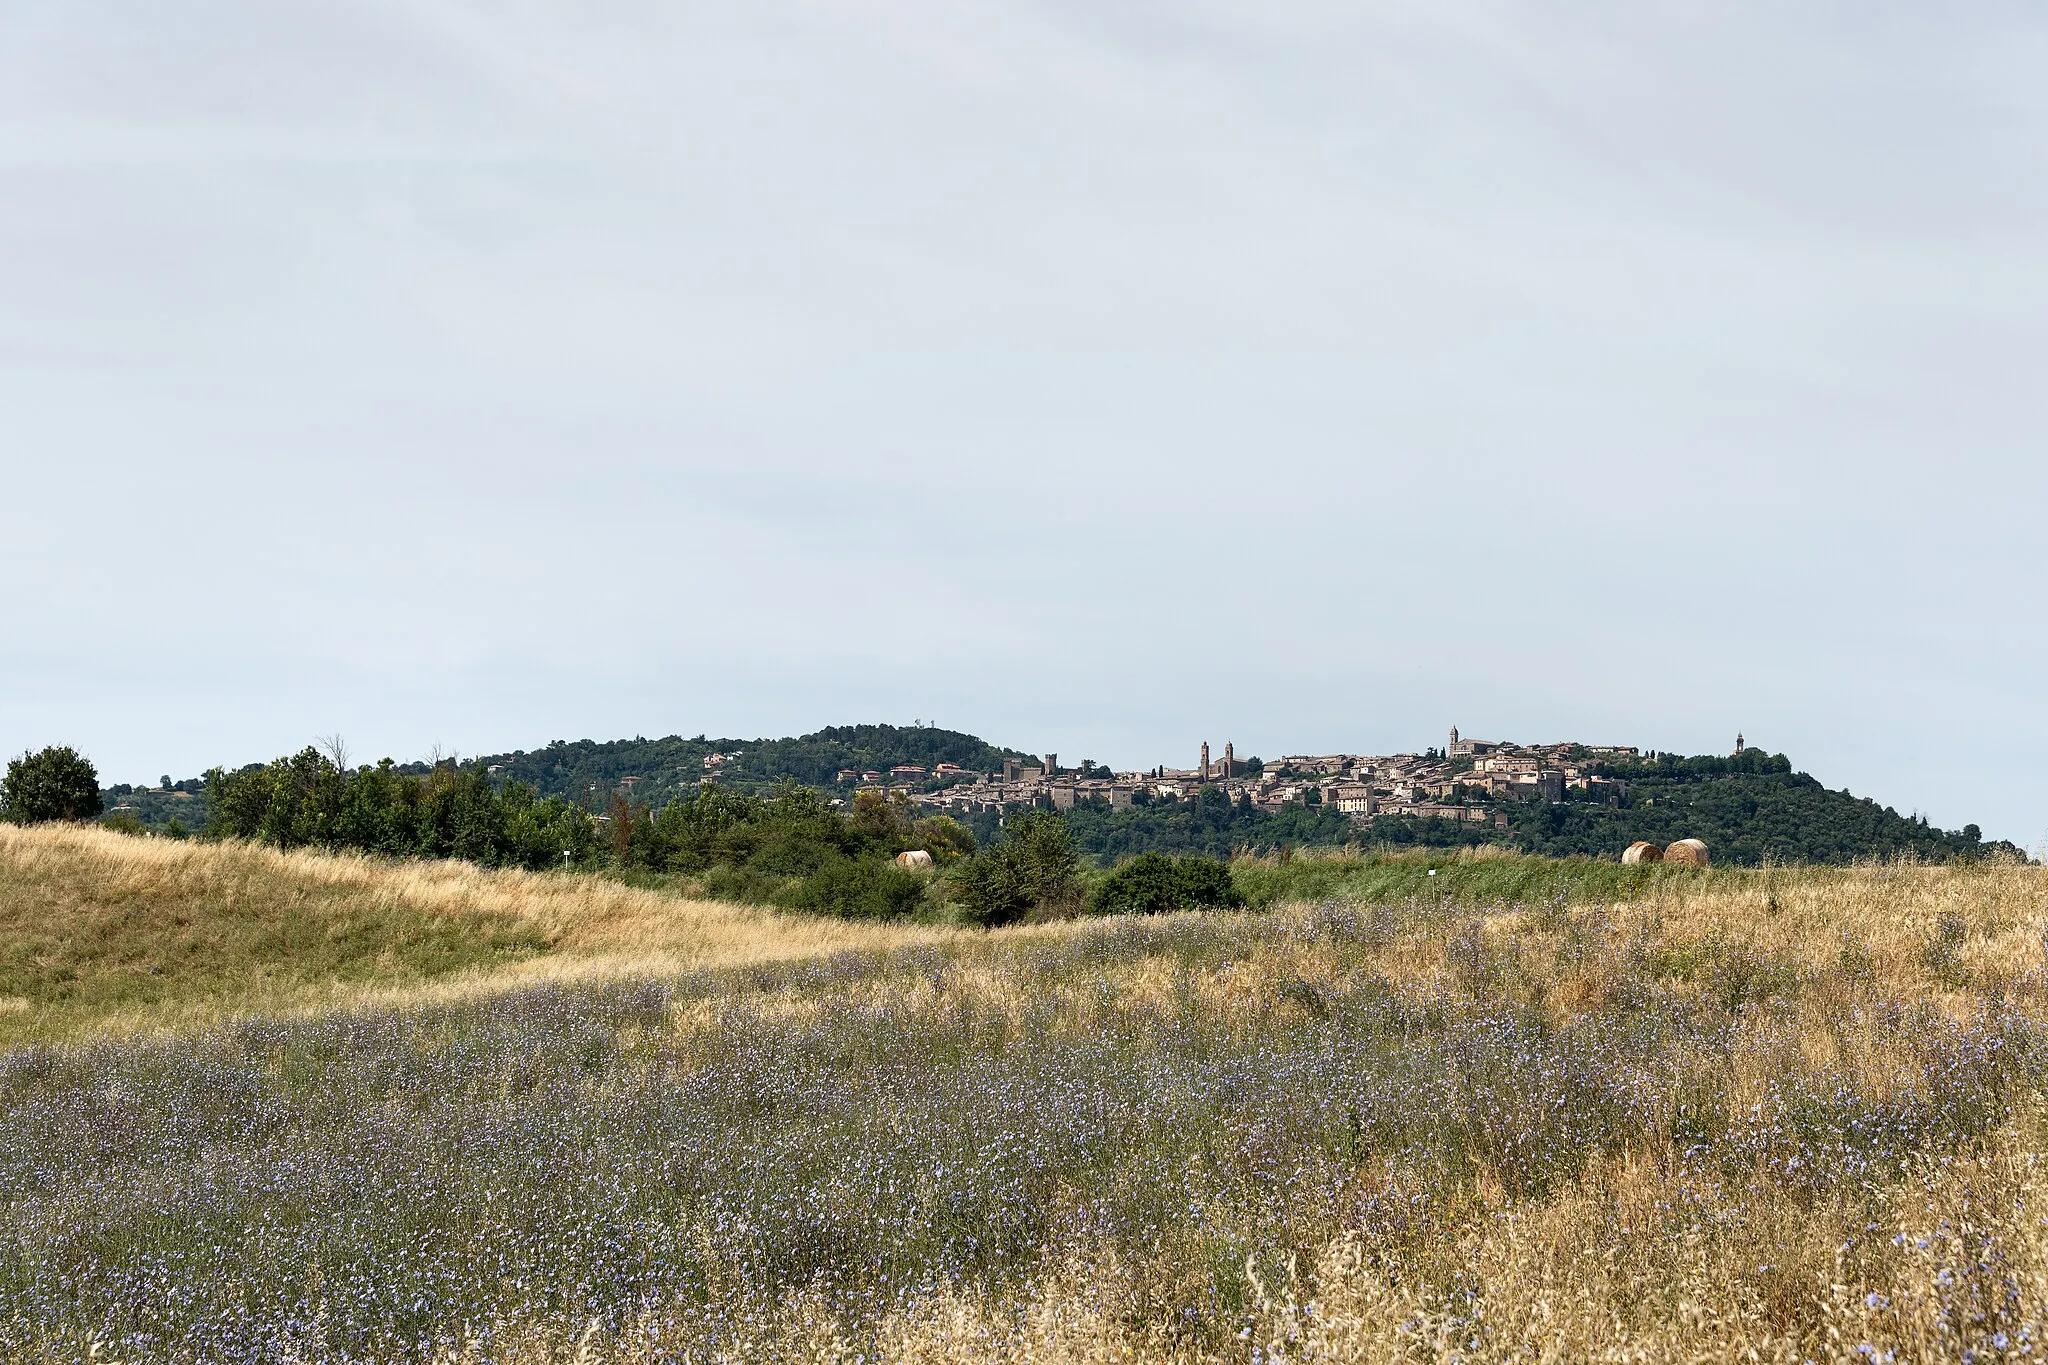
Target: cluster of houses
x=1469, y=780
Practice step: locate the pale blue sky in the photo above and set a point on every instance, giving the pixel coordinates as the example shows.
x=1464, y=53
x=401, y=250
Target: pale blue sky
x=1095, y=377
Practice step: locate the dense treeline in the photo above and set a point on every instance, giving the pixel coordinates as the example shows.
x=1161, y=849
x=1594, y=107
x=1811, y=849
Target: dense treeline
x=792, y=849
x=1750, y=763
x=446, y=812
x=1210, y=824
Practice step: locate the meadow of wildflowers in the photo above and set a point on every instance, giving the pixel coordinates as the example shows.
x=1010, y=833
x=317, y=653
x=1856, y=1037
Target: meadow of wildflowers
x=1784, y=1116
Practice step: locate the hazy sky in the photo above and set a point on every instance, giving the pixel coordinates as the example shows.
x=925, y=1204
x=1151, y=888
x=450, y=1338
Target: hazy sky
x=1098, y=377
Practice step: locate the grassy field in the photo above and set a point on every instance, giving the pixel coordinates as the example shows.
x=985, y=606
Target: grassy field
x=266, y=1107
x=1481, y=877
x=100, y=931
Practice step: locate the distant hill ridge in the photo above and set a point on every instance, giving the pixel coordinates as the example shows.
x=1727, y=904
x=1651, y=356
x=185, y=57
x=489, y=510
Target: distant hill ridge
x=662, y=768
x=1750, y=809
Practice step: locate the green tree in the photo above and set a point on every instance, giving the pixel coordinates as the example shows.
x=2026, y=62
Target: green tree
x=1032, y=867
x=55, y=784
x=883, y=816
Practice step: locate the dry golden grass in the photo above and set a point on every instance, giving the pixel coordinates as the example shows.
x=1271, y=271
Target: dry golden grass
x=1952, y=1271
x=1820, y=980
x=104, y=931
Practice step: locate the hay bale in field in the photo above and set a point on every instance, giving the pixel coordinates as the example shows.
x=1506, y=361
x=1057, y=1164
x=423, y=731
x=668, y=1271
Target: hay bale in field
x=1690, y=852
x=1642, y=852
x=917, y=857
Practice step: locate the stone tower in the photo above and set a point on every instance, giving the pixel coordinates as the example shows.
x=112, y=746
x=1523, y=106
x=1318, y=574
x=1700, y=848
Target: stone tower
x=1454, y=741
x=1229, y=760
x=1738, y=743
x=1205, y=760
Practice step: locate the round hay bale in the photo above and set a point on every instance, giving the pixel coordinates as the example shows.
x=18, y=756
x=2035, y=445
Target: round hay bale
x=916, y=857
x=1690, y=852
x=1642, y=852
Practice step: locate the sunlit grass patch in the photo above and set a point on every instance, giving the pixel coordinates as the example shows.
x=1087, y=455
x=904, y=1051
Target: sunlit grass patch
x=93, y=924
x=100, y=931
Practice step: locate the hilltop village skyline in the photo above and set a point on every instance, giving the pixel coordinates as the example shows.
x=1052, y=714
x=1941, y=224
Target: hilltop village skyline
x=1467, y=780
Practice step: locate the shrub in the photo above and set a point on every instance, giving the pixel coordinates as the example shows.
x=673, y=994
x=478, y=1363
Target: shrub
x=882, y=815
x=856, y=889
x=744, y=884
x=55, y=784
x=124, y=822
x=1032, y=867
x=1153, y=882
x=945, y=838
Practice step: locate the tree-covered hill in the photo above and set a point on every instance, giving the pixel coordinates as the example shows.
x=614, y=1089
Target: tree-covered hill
x=1750, y=808
x=672, y=766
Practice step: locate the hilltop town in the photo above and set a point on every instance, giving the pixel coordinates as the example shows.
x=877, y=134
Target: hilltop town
x=1554, y=798
x=1472, y=781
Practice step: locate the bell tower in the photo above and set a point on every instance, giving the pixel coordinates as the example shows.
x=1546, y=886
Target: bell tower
x=1205, y=760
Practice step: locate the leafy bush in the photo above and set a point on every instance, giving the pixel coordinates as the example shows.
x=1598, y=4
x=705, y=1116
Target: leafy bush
x=792, y=834
x=55, y=784
x=1033, y=867
x=1152, y=882
x=856, y=889
x=945, y=838
x=745, y=885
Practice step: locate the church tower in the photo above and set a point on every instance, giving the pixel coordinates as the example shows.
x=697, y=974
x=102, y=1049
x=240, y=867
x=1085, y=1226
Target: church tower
x=1738, y=744
x=1229, y=760
x=1454, y=742
x=1205, y=760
